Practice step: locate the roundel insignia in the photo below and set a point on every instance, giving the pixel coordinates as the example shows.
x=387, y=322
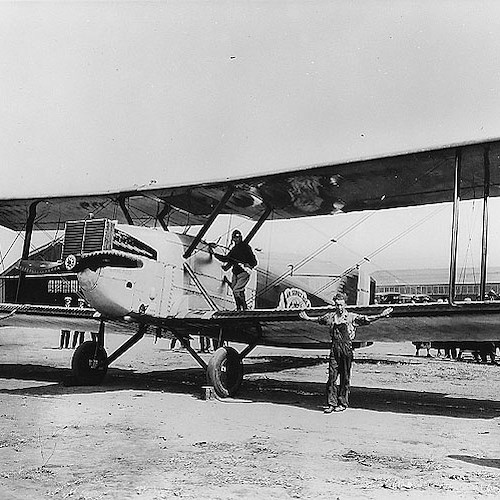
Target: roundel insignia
x=293, y=298
x=70, y=262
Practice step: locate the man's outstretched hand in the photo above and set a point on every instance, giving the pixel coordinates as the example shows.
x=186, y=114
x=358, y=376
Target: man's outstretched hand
x=386, y=312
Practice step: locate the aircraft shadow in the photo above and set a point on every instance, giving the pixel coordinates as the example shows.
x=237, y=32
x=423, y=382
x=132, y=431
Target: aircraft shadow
x=483, y=462
x=179, y=380
x=309, y=395
x=184, y=381
x=270, y=364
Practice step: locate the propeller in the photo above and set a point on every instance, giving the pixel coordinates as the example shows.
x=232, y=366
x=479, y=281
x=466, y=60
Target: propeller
x=74, y=264
x=41, y=267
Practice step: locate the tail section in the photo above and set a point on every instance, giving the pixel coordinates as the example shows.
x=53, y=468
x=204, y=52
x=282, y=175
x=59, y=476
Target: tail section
x=365, y=292
x=364, y=295
x=359, y=287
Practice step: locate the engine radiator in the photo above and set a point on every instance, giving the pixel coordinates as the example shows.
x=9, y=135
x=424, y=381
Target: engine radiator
x=85, y=236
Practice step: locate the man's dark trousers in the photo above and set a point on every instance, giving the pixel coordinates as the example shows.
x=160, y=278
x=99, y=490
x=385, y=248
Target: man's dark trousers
x=339, y=366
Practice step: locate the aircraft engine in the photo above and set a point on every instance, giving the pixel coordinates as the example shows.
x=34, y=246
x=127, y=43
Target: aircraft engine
x=122, y=291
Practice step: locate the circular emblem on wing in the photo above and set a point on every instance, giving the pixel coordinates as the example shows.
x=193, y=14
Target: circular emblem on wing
x=70, y=262
x=293, y=298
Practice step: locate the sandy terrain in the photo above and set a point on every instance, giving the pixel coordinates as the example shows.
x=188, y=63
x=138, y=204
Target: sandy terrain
x=417, y=428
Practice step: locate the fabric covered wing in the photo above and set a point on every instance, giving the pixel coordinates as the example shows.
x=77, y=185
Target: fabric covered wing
x=468, y=321
x=54, y=317
x=413, y=178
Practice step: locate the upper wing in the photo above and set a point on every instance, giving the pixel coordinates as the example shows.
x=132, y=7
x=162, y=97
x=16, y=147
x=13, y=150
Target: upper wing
x=412, y=178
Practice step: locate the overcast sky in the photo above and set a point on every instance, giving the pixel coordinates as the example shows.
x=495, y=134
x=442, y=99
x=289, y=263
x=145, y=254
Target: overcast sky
x=107, y=95
x=100, y=94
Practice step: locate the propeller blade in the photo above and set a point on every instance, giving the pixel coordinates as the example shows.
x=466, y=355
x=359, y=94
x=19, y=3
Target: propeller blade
x=40, y=267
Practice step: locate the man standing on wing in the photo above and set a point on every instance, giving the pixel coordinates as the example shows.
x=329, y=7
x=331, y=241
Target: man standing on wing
x=242, y=260
x=342, y=326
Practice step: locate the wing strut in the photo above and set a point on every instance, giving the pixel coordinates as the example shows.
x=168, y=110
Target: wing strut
x=161, y=216
x=201, y=288
x=455, y=222
x=217, y=210
x=126, y=213
x=185, y=343
x=484, y=247
x=258, y=224
x=454, y=228
x=30, y=222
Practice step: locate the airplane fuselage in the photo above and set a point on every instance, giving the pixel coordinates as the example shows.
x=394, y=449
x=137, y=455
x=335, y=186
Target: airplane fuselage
x=168, y=286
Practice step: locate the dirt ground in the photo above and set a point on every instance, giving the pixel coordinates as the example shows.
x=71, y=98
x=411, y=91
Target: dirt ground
x=418, y=427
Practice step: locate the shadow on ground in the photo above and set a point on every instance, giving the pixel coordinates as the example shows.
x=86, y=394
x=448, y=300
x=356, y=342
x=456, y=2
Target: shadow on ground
x=483, y=462
x=309, y=395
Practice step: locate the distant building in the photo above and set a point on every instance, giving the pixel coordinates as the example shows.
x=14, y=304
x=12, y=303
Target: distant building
x=49, y=289
x=434, y=282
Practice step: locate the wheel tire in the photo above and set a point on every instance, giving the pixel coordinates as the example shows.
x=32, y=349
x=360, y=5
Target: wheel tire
x=225, y=371
x=89, y=363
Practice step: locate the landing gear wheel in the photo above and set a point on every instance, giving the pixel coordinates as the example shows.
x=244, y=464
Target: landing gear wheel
x=89, y=364
x=225, y=371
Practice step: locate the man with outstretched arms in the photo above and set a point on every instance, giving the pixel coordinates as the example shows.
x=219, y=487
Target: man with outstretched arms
x=342, y=325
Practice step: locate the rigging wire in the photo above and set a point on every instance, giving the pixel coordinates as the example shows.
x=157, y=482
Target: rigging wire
x=468, y=254
x=18, y=234
x=380, y=249
x=315, y=253
x=289, y=272
x=462, y=276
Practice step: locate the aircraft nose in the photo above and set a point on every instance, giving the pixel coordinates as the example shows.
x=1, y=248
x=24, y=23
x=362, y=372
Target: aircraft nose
x=88, y=279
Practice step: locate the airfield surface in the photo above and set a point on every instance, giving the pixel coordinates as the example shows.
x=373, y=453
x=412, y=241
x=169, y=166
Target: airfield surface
x=417, y=427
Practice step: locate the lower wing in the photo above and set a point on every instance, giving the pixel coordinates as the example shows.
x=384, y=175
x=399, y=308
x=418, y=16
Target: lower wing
x=424, y=322
x=477, y=321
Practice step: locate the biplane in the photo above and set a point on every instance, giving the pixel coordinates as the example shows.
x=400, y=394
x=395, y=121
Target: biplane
x=132, y=274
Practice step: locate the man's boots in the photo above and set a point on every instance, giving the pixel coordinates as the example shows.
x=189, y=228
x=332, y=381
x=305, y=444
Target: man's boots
x=241, y=304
